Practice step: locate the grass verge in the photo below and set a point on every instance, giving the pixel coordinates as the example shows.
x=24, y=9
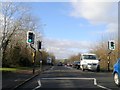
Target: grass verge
x=4, y=69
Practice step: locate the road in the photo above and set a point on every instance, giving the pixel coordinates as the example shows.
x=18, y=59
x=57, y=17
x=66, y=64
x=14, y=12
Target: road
x=68, y=77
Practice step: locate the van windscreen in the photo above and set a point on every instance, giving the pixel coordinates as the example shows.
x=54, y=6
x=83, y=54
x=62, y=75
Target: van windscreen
x=93, y=57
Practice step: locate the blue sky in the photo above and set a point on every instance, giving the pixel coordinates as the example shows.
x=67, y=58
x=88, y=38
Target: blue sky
x=59, y=24
x=73, y=27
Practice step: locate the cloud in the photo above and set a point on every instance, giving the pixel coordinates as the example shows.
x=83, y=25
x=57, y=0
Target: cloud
x=112, y=27
x=65, y=48
x=97, y=12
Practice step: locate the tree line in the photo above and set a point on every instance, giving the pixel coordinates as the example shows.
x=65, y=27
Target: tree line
x=101, y=50
x=16, y=20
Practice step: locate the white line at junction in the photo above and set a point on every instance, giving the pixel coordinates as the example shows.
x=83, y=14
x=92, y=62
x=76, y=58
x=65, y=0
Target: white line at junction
x=71, y=79
x=103, y=87
x=65, y=78
x=52, y=67
x=39, y=85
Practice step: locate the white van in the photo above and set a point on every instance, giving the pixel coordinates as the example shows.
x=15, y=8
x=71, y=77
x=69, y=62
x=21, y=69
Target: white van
x=89, y=61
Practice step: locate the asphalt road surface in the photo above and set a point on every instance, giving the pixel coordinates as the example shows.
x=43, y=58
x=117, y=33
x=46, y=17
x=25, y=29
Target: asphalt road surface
x=67, y=77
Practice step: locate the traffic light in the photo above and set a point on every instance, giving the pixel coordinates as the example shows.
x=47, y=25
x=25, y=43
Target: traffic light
x=111, y=45
x=39, y=45
x=30, y=37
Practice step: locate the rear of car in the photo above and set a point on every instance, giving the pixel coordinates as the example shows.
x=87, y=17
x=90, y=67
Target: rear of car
x=89, y=62
x=116, y=72
x=60, y=64
x=76, y=64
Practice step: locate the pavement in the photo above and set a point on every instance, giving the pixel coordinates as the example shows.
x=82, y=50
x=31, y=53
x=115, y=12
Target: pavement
x=12, y=80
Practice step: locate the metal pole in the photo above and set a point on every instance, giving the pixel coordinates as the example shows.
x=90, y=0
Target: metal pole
x=109, y=60
x=34, y=55
x=40, y=61
x=40, y=65
x=108, y=63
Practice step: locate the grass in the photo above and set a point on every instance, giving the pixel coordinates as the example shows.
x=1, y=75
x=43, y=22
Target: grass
x=15, y=69
x=24, y=68
x=8, y=69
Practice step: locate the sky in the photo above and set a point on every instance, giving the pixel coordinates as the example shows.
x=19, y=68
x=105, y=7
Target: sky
x=74, y=27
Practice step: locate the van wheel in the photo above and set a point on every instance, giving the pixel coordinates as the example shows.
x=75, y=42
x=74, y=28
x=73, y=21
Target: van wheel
x=116, y=79
x=83, y=68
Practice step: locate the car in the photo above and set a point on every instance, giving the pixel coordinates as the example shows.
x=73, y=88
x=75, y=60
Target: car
x=60, y=64
x=116, y=72
x=69, y=64
x=89, y=61
x=76, y=64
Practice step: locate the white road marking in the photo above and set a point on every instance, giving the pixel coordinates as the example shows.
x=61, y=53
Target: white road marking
x=65, y=78
x=103, y=87
x=94, y=79
x=69, y=67
x=39, y=85
x=71, y=79
x=52, y=67
x=16, y=80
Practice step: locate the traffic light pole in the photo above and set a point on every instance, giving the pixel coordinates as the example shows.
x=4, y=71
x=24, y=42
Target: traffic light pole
x=33, y=58
x=109, y=60
x=39, y=47
x=40, y=61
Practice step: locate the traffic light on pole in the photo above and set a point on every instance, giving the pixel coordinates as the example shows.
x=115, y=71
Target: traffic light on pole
x=30, y=37
x=111, y=45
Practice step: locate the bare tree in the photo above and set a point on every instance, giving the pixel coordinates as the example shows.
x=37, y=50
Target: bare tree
x=14, y=18
x=101, y=49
